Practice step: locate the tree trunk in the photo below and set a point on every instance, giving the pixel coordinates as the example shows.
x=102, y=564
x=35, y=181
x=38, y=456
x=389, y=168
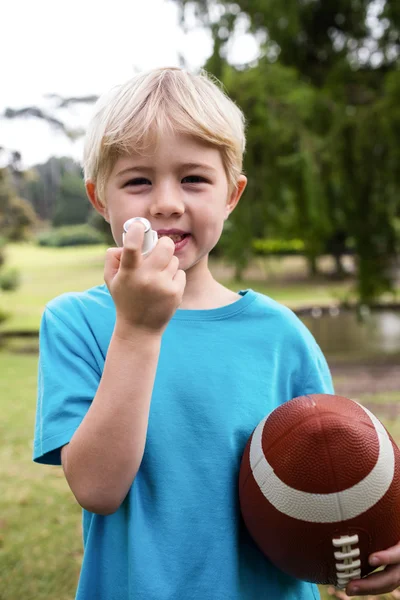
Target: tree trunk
x=340, y=271
x=312, y=266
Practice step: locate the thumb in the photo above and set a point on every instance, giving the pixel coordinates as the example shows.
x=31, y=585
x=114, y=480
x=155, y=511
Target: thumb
x=112, y=264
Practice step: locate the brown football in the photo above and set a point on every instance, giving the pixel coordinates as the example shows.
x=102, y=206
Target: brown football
x=319, y=488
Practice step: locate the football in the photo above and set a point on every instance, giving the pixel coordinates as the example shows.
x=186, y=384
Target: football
x=319, y=488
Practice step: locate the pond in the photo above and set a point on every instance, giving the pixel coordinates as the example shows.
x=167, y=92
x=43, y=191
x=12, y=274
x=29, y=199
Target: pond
x=345, y=334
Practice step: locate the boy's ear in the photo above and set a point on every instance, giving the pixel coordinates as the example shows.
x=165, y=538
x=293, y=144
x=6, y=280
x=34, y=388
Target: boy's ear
x=94, y=200
x=235, y=195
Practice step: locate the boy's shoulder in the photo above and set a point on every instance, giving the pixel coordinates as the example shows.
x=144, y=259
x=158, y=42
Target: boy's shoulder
x=281, y=314
x=282, y=320
x=89, y=304
x=297, y=347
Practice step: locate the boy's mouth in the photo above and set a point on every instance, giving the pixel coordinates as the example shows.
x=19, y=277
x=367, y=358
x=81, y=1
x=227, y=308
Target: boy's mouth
x=175, y=237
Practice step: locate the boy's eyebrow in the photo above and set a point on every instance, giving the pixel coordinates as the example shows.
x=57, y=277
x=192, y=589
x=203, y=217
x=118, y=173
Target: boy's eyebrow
x=139, y=168
x=197, y=166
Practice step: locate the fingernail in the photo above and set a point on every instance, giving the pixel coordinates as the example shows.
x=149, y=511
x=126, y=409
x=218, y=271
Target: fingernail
x=374, y=562
x=354, y=590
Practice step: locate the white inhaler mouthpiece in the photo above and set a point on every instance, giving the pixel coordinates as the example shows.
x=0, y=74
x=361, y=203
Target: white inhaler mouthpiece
x=150, y=236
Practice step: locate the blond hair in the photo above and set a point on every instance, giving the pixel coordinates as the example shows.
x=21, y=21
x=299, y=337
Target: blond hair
x=132, y=116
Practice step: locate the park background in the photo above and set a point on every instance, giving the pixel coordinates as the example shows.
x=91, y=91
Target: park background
x=318, y=228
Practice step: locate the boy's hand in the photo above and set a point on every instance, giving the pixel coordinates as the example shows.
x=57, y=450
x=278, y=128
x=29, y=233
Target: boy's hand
x=381, y=582
x=146, y=291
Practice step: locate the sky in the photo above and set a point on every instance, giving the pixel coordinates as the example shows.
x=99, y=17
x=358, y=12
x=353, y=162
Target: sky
x=83, y=47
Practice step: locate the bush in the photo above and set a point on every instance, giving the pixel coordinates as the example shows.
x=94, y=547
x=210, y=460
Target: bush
x=278, y=247
x=3, y=242
x=9, y=280
x=3, y=317
x=98, y=223
x=73, y=235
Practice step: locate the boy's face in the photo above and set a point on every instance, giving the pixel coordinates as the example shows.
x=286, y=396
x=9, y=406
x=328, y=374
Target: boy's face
x=181, y=185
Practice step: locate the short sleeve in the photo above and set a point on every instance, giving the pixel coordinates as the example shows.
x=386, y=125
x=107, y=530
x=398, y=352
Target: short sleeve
x=317, y=377
x=68, y=378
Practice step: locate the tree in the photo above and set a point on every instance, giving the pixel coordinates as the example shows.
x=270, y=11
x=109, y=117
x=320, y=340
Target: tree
x=324, y=125
x=72, y=206
x=55, y=189
x=16, y=214
x=16, y=218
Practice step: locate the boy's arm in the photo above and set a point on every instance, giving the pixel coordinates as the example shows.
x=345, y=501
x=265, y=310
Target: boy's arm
x=104, y=454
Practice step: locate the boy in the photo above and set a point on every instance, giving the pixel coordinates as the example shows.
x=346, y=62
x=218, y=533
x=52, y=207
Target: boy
x=150, y=385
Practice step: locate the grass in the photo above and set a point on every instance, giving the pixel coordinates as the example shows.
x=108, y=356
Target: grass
x=386, y=398
x=46, y=273
x=40, y=533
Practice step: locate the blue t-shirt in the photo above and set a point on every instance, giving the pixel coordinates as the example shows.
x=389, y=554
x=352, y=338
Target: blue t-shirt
x=178, y=534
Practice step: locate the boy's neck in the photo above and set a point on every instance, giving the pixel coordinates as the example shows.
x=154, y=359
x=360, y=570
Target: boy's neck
x=206, y=293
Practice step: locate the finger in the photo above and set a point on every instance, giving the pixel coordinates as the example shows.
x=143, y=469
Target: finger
x=111, y=264
x=172, y=266
x=160, y=257
x=180, y=280
x=380, y=582
x=331, y=591
x=132, y=250
x=391, y=556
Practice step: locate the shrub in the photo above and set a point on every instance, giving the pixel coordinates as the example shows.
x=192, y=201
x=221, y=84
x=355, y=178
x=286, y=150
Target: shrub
x=9, y=280
x=278, y=247
x=3, y=317
x=73, y=235
x=3, y=242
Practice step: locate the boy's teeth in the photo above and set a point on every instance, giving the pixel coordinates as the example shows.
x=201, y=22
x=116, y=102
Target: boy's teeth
x=174, y=238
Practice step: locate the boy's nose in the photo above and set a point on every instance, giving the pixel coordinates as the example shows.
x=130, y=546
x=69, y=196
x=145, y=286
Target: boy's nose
x=166, y=203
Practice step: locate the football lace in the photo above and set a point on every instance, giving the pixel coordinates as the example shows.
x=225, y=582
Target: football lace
x=348, y=567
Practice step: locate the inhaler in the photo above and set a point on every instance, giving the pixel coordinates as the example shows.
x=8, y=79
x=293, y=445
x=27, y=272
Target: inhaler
x=150, y=236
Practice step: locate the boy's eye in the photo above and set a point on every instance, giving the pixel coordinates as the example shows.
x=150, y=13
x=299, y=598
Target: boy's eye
x=194, y=179
x=138, y=181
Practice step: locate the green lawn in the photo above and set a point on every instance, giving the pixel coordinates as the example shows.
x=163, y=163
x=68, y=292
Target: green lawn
x=46, y=273
x=40, y=533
